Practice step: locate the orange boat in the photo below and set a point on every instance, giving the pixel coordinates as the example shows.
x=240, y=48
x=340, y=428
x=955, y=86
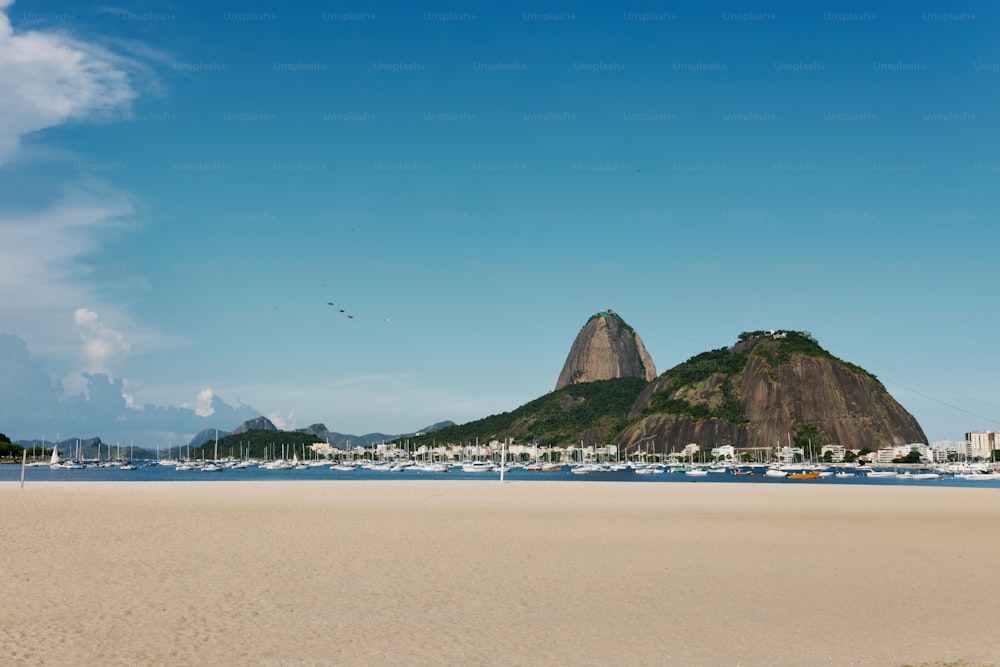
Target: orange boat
x=803, y=475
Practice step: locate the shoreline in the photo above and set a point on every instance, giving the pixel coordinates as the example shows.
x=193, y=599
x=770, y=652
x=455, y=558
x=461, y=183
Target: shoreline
x=465, y=572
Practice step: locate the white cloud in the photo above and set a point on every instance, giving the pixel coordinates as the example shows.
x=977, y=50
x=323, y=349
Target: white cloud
x=56, y=221
x=104, y=349
x=283, y=422
x=203, y=403
x=48, y=78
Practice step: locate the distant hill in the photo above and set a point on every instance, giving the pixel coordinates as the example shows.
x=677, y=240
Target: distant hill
x=207, y=435
x=591, y=412
x=255, y=424
x=86, y=448
x=429, y=429
x=346, y=440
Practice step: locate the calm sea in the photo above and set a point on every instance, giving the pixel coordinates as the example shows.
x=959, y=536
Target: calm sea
x=160, y=473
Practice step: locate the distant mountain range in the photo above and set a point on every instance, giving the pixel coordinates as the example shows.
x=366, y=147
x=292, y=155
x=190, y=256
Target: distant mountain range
x=90, y=447
x=346, y=440
x=316, y=432
x=259, y=438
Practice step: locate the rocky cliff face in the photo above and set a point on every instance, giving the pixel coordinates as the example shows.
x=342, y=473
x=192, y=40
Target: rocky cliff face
x=606, y=348
x=255, y=424
x=766, y=391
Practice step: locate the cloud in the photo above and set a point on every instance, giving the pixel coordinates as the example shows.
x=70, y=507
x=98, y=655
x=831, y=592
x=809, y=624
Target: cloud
x=27, y=392
x=49, y=78
x=103, y=347
x=52, y=215
x=283, y=422
x=203, y=404
x=31, y=405
x=56, y=218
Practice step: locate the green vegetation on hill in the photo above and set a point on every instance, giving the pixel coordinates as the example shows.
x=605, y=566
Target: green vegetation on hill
x=690, y=382
x=780, y=350
x=699, y=368
x=259, y=444
x=559, y=417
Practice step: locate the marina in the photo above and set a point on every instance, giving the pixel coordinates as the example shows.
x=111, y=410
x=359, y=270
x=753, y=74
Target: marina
x=485, y=470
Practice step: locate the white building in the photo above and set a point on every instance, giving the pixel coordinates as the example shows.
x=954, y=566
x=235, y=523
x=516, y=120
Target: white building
x=885, y=455
x=983, y=443
x=837, y=452
x=724, y=452
x=788, y=454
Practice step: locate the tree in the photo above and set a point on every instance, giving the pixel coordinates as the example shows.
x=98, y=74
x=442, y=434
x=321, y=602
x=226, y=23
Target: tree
x=8, y=450
x=912, y=457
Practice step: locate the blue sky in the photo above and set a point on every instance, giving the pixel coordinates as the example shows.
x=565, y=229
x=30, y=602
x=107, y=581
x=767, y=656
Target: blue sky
x=185, y=186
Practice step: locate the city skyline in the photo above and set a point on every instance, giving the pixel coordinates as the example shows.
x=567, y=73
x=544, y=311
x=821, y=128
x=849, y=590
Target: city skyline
x=383, y=216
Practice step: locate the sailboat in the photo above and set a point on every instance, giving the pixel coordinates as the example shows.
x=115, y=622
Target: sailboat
x=55, y=462
x=214, y=466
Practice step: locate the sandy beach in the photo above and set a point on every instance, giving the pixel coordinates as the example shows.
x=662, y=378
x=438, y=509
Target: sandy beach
x=483, y=573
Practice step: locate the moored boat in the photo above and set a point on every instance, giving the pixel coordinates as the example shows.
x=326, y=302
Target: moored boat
x=919, y=476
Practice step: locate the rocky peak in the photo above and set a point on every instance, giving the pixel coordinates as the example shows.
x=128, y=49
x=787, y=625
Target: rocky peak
x=255, y=424
x=606, y=348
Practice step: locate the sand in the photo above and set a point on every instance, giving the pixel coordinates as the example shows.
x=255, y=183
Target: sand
x=483, y=573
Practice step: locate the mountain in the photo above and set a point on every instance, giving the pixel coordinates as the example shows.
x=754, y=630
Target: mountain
x=269, y=443
x=206, y=435
x=430, y=429
x=255, y=424
x=87, y=448
x=345, y=440
x=766, y=390
x=606, y=348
